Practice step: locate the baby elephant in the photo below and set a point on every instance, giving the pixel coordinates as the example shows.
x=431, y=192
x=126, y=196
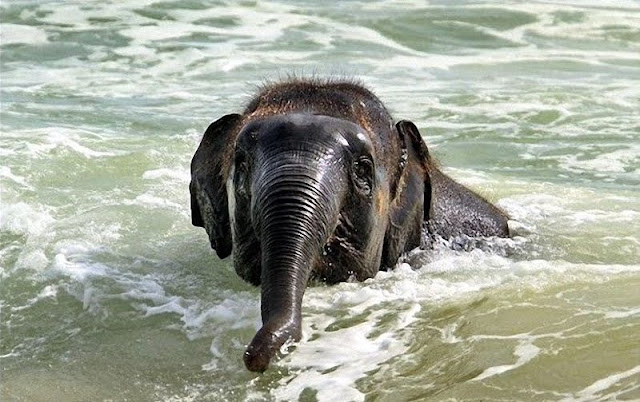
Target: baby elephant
x=315, y=181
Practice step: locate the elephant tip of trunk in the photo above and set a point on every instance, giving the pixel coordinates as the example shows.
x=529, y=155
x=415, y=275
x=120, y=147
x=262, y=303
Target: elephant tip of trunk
x=256, y=362
x=265, y=345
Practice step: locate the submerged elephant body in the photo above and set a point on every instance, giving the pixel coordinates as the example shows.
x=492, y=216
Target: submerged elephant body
x=315, y=181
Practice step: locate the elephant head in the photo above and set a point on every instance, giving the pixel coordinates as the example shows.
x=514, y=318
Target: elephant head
x=312, y=181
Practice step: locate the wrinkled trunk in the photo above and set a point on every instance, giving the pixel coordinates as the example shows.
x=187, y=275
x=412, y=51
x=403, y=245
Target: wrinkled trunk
x=296, y=206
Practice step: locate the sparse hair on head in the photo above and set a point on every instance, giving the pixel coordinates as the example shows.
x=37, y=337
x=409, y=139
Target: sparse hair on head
x=342, y=97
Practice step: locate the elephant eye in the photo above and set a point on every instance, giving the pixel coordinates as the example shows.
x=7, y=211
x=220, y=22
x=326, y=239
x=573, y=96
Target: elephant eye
x=363, y=175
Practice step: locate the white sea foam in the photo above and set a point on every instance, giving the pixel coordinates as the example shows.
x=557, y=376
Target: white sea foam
x=166, y=173
x=201, y=319
x=42, y=141
x=48, y=292
x=78, y=16
x=152, y=201
x=350, y=353
x=77, y=262
x=58, y=138
x=594, y=391
x=21, y=34
x=168, y=30
x=73, y=259
x=623, y=314
x=525, y=352
x=22, y=218
x=502, y=56
x=5, y=172
x=619, y=161
x=533, y=207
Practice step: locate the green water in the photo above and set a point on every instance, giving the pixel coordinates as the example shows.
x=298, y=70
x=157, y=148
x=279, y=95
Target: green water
x=107, y=293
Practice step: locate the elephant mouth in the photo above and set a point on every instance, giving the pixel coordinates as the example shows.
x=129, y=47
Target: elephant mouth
x=342, y=255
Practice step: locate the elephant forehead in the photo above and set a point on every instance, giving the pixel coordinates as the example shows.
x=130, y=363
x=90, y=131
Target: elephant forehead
x=304, y=127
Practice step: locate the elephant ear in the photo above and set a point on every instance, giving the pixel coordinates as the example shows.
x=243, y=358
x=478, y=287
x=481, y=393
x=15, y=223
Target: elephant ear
x=209, y=172
x=419, y=156
x=409, y=195
x=451, y=209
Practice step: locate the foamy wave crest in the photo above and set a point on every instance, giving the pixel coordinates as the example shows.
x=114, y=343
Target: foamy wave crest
x=348, y=331
x=22, y=218
x=626, y=159
x=177, y=174
x=38, y=143
x=597, y=390
x=5, y=172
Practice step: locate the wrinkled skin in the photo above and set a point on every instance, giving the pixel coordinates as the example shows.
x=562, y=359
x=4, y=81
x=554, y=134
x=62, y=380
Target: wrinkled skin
x=315, y=181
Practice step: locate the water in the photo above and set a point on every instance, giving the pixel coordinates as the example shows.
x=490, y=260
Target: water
x=108, y=292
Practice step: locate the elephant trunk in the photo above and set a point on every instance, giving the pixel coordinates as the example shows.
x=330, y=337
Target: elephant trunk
x=295, y=210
